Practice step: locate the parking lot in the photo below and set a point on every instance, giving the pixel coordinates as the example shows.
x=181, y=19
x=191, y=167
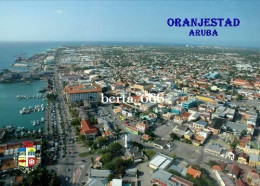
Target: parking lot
x=164, y=131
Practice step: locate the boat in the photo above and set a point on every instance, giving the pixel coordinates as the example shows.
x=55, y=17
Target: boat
x=23, y=111
x=43, y=90
x=42, y=119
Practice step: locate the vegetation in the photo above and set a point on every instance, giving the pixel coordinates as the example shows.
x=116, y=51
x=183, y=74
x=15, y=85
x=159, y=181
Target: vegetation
x=135, y=144
x=51, y=97
x=114, y=148
x=211, y=163
x=84, y=154
x=110, y=177
x=243, y=133
x=41, y=177
x=174, y=137
x=151, y=134
x=101, y=141
x=111, y=158
x=149, y=153
x=107, y=157
x=75, y=122
x=233, y=145
x=117, y=165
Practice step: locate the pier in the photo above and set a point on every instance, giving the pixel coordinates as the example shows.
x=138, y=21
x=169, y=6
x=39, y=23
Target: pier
x=37, y=96
x=36, y=108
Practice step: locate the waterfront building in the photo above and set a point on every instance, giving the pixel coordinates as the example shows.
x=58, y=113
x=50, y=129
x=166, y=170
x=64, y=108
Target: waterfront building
x=81, y=92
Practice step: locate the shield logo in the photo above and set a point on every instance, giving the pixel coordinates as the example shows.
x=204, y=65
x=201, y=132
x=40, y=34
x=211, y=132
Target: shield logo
x=26, y=156
x=22, y=161
x=31, y=161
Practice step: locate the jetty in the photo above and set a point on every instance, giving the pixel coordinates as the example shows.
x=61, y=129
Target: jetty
x=36, y=108
x=37, y=96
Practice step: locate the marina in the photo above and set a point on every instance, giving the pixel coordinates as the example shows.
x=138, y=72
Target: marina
x=10, y=107
x=37, y=122
x=36, y=108
x=37, y=96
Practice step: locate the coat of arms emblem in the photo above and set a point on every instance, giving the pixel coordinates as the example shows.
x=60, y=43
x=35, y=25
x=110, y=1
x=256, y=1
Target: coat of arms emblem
x=26, y=155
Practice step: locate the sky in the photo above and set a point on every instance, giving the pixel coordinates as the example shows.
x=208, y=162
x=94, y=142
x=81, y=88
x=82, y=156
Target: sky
x=130, y=21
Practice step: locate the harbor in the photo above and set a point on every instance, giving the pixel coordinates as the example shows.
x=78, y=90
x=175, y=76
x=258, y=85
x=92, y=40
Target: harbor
x=36, y=108
x=32, y=109
x=37, y=96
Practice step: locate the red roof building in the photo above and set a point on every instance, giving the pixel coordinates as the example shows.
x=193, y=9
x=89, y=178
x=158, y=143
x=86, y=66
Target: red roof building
x=87, y=129
x=193, y=172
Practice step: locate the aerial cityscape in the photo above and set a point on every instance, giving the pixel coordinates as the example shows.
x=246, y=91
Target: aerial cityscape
x=127, y=112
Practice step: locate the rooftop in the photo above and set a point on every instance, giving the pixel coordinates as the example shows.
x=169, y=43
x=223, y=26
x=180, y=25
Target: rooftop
x=87, y=128
x=161, y=161
x=81, y=89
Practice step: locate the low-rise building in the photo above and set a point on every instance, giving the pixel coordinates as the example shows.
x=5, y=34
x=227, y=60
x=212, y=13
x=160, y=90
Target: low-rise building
x=223, y=179
x=254, y=160
x=160, y=161
x=164, y=178
x=87, y=129
x=142, y=127
x=214, y=149
x=193, y=172
x=200, y=124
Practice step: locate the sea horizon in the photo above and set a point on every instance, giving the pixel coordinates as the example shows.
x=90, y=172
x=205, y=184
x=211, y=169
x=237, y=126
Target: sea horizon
x=137, y=43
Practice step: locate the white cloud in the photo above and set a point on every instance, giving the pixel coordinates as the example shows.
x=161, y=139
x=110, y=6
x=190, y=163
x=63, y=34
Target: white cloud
x=59, y=12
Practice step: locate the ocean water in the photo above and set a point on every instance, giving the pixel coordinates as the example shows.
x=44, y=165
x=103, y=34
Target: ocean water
x=9, y=105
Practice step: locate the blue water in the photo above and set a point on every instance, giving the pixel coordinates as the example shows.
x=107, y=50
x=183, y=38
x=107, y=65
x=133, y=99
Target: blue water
x=9, y=105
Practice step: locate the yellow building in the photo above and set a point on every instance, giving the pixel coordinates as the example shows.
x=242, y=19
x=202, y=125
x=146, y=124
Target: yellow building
x=205, y=99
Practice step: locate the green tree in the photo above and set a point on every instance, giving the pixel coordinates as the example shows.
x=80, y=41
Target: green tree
x=107, y=157
x=149, y=154
x=174, y=136
x=101, y=141
x=151, y=134
x=41, y=177
x=82, y=138
x=92, y=120
x=110, y=177
x=75, y=122
x=233, y=145
x=243, y=133
x=115, y=147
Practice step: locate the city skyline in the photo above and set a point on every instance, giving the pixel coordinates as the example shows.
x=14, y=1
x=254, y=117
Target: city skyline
x=143, y=22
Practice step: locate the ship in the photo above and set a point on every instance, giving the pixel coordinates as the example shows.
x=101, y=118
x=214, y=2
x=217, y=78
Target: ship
x=42, y=90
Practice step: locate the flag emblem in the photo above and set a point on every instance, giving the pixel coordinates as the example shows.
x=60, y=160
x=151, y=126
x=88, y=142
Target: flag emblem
x=26, y=156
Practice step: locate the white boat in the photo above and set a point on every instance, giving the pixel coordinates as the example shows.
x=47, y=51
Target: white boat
x=42, y=119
